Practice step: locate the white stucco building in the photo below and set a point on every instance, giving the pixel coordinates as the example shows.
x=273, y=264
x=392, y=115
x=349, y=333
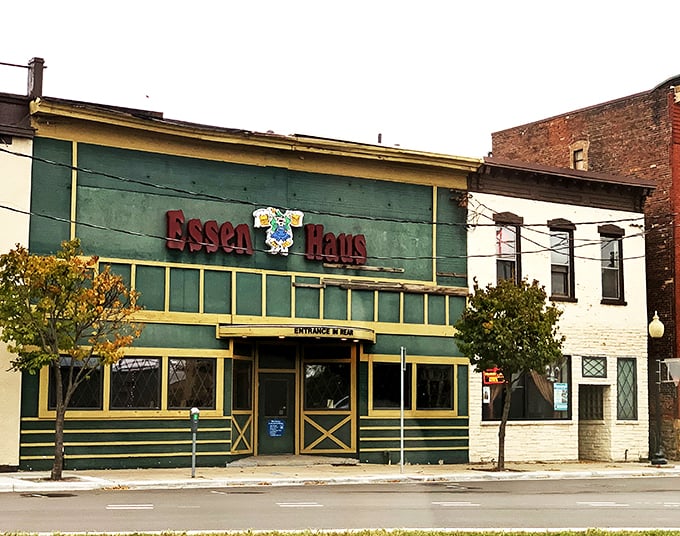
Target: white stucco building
x=16, y=140
x=582, y=236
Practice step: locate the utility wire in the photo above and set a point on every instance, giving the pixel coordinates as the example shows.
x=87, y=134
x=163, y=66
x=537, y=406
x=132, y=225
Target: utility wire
x=212, y=197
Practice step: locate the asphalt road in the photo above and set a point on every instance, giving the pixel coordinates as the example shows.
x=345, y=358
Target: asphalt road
x=602, y=503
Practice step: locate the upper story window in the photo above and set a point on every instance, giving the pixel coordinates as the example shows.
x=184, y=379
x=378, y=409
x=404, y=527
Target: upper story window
x=578, y=152
x=611, y=247
x=562, y=285
x=508, y=259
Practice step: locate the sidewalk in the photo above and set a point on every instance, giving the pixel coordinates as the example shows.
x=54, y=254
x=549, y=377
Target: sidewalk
x=302, y=470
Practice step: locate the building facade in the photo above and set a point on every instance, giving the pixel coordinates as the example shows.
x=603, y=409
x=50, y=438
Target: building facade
x=582, y=236
x=636, y=136
x=282, y=278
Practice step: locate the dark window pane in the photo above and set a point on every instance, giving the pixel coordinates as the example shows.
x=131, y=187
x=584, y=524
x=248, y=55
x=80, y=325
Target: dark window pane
x=560, y=263
x=191, y=383
x=135, y=383
x=386, y=389
x=88, y=395
x=533, y=396
x=327, y=386
x=505, y=270
x=559, y=284
x=434, y=384
x=275, y=394
x=277, y=356
x=611, y=275
x=243, y=384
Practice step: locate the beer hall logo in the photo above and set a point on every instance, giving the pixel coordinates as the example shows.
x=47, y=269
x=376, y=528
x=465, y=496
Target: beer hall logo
x=279, y=226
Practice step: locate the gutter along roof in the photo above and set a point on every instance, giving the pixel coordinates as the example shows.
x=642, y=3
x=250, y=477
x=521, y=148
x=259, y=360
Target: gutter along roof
x=45, y=107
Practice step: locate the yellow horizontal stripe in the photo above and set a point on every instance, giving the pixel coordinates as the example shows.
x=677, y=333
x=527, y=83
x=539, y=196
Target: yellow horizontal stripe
x=442, y=438
x=126, y=443
x=363, y=428
x=413, y=449
x=126, y=430
x=422, y=414
x=131, y=455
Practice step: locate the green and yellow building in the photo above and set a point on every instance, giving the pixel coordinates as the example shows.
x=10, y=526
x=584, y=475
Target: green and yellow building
x=281, y=278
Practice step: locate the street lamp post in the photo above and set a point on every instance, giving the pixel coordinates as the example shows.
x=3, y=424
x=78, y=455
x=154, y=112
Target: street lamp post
x=656, y=330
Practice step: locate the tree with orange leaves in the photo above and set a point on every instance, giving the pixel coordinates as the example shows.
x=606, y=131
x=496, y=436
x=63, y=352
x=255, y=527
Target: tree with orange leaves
x=61, y=311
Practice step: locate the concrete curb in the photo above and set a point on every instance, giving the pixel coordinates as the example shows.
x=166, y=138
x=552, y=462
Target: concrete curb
x=38, y=483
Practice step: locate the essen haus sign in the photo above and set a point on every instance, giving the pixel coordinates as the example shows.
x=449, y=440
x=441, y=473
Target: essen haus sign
x=194, y=235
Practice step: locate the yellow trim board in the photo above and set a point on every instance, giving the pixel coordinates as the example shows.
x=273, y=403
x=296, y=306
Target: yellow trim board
x=327, y=331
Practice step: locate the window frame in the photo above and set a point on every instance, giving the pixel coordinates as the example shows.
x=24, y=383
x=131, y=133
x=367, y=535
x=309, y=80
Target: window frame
x=414, y=362
x=563, y=226
x=633, y=394
x=47, y=411
x=65, y=365
x=565, y=367
x=578, y=155
x=186, y=360
x=612, y=234
x=512, y=222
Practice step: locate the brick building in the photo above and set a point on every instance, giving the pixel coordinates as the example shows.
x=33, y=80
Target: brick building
x=638, y=136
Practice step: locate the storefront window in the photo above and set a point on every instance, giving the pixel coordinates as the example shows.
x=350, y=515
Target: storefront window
x=191, y=383
x=434, y=386
x=535, y=396
x=386, y=390
x=327, y=386
x=135, y=383
x=88, y=395
x=243, y=385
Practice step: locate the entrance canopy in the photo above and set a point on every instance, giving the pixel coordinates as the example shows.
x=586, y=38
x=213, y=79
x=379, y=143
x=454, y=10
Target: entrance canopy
x=324, y=331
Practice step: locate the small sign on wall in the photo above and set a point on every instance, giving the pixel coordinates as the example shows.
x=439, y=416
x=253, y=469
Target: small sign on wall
x=276, y=427
x=561, y=396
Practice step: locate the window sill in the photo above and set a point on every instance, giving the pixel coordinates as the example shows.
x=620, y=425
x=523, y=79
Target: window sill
x=551, y=422
x=610, y=301
x=568, y=299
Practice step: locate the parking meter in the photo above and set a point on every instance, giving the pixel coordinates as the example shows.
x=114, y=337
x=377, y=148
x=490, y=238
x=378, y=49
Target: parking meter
x=193, y=417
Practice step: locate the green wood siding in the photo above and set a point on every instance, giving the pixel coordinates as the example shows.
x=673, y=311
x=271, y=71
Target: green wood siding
x=248, y=294
x=51, y=196
x=362, y=305
x=335, y=303
x=388, y=306
x=125, y=443
x=436, y=309
x=279, y=295
x=217, y=292
x=414, y=308
x=307, y=300
x=180, y=336
x=451, y=238
x=184, y=290
x=150, y=282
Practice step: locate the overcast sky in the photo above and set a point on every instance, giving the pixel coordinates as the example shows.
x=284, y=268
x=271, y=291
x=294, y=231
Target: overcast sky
x=437, y=76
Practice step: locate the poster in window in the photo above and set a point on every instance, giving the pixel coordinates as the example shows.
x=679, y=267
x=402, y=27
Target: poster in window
x=561, y=396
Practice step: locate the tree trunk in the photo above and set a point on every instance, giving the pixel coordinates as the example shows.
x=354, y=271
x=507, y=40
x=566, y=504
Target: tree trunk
x=501, y=428
x=58, y=463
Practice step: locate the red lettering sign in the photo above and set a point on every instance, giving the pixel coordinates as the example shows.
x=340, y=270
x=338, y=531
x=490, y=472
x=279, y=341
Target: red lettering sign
x=345, y=248
x=206, y=235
